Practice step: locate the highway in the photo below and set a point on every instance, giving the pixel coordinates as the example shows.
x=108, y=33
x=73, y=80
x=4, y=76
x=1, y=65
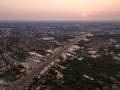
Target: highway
x=27, y=79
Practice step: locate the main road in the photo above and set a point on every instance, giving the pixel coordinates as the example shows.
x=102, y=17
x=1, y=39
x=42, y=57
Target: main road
x=27, y=79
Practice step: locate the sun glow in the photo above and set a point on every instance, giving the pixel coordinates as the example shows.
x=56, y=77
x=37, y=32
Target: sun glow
x=59, y=9
x=84, y=14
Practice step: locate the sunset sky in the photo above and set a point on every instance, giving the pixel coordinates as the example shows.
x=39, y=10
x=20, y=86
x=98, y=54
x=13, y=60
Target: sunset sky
x=80, y=10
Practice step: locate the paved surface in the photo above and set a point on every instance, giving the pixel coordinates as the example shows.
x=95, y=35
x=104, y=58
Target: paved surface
x=27, y=79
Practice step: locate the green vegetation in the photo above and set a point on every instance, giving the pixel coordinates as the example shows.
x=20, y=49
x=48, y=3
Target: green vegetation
x=13, y=40
x=20, y=56
x=52, y=72
x=81, y=43
x=10, y=75
x=42, y=52
x=108, y=36
x=101, y=69
x=63, y=38
x=113, y=49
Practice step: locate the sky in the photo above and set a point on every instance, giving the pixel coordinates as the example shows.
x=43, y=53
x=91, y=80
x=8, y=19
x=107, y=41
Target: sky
x=64, y=10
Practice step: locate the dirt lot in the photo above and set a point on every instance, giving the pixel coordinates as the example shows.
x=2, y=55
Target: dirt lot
x=98, y=43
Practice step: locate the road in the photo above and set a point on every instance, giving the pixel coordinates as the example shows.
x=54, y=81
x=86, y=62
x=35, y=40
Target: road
x=27, y=79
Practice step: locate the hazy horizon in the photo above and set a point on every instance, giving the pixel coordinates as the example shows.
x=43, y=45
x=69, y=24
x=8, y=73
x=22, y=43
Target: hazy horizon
x=59, y=10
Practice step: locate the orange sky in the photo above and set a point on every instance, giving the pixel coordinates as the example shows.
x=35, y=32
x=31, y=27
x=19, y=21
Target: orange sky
x=59, y=10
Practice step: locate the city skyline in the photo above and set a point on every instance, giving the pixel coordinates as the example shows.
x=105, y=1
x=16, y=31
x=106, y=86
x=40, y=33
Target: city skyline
x=64, y=10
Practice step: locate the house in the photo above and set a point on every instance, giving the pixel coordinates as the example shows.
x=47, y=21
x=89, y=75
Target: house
x=50, y=51
x=35, y=54
x=48, y=38
x=92, y=52
x=61, y=66
x=80, y=58
x=95, y=56
x=87, y=77
x=116, y=58
x=59, y=75
x=73, y=48
x=1, y=82
x=25, y=65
